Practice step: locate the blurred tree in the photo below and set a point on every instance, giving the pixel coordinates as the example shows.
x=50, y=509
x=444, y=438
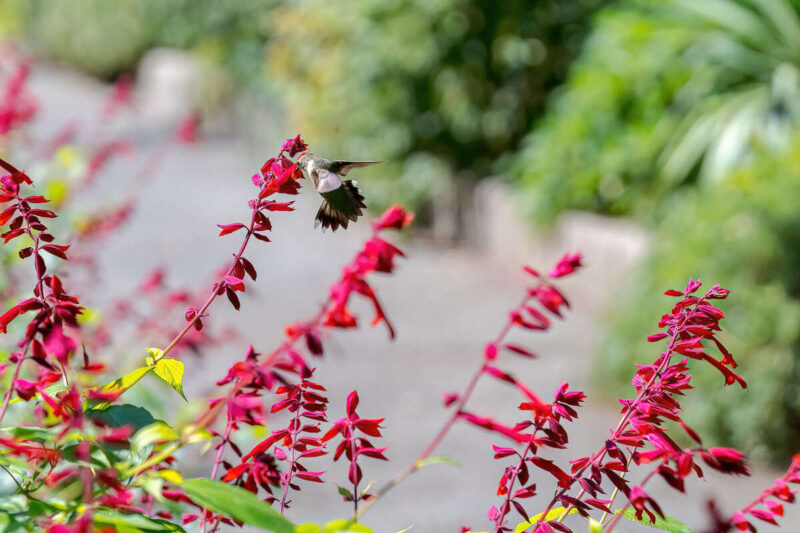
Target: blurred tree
x=665, y=94
x=436, y=87
x=108, y=38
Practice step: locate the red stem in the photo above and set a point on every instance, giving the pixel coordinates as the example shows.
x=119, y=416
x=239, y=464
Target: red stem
x=354, y=469
x=618, y=514
x=10, y=391
x=293, y=426
x=217, y=462
x=214, y=292
x=463, y=398
x=507, y=503
x=39, y=287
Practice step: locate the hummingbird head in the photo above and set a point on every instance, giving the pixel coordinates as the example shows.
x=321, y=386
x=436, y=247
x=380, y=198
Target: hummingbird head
x=302, y=161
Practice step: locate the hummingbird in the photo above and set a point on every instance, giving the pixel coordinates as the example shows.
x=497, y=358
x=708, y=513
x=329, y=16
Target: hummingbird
x=342, y=202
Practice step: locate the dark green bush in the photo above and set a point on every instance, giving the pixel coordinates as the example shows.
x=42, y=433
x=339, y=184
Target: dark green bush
x=435, y=87
x=665, y=94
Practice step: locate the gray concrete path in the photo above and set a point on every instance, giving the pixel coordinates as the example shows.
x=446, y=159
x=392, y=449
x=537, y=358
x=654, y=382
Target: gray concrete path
x=445, y=304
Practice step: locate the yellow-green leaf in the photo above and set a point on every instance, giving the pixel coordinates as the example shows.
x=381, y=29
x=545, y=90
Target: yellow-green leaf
x=437, y=459
x=553, y=514
x=120, y=385
x=170, y=475
x=171, y=372
x=154, y=355
x=308, y=528
x=595, y=526
x=345, y=526
x=157, y=432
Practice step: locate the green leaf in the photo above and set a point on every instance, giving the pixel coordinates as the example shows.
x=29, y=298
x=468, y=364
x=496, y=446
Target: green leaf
x=345, y=526
x=136, y=521
x=54, y=389
x=123, y=415
x=10, y=524
x=120, y=385
x=31, y=433
x=171, y=372
x=152, y=485
x=346, y=494
x=595, y=526
x=7, y=460
x=668, y=524
x=553, y=514
x=156, y=432
x=437, y=459
x=236, y=503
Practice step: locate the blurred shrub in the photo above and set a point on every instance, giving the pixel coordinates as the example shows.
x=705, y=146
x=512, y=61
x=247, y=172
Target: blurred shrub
x=231, y=33
x=108, y=38
x=665, y=95
x=100, y=37
x=436, y=87
x=685, y=114
x=745, y=234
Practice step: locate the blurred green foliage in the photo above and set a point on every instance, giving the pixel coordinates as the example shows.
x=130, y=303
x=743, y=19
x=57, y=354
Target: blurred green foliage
x=439, y=87
x=666, y=94
x=435, y=87
x=743, y=233
x=108, y=38
x=685, y=115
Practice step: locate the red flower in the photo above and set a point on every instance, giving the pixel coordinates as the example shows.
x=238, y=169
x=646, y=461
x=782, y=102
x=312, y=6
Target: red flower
x=187, y=129
x=293, y=146
x=396, y=217
x=568, y=264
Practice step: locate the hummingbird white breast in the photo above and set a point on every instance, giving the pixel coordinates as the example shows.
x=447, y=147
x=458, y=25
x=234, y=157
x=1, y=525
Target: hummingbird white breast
x=328, y=181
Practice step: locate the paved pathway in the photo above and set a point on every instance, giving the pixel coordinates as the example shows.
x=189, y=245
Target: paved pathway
x=445, y=303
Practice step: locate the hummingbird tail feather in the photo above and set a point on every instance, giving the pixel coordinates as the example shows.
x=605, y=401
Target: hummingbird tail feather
x=340, y=207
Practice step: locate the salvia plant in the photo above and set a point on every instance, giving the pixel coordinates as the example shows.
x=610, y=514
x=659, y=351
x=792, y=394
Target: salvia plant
x=80, y=456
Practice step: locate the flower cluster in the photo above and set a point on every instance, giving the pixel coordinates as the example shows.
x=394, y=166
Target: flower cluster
x=353, y=446
x=306, y=401
x=45, y=340
x=641, y=437
x=546, y=431
x=376, y=256
x=288, y=369
x=50, y=341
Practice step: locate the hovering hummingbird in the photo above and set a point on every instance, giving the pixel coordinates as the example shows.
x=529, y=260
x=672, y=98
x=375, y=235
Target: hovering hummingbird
x=341, y=200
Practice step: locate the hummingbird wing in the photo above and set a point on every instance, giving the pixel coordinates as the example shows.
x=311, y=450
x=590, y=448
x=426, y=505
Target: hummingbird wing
x=343, y=167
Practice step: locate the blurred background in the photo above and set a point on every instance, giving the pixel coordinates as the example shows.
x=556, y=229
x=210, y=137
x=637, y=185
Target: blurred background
x=658, y=137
